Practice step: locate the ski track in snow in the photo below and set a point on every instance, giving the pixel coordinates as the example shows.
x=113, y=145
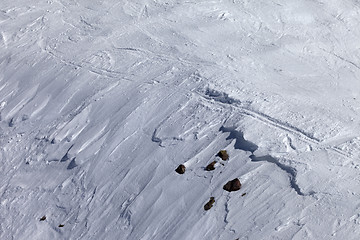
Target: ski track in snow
x=223, y=98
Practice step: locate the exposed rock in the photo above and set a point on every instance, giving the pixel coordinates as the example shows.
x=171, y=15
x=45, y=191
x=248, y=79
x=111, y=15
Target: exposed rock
x=243, y=194
x=43, y=218
x=211, y=166
x=223, y=155
x=61, y=225
x=233, y=185
x=180, y=169
x=209, y=204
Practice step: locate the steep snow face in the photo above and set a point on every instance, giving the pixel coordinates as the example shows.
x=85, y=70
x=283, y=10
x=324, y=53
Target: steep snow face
x=100, y=101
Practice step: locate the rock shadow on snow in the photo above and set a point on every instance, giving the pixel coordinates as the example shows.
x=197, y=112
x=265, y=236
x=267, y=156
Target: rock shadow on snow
x=72, y=164
x=67, y=155
x=241, y=143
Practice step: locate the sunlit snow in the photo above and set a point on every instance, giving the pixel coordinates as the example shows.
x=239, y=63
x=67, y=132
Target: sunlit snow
x=101, y=100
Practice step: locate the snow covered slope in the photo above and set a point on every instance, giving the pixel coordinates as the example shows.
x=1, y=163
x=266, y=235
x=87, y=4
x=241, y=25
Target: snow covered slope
x=101, y=100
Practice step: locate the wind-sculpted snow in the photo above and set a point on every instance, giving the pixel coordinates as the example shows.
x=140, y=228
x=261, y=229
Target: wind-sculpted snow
x=219, y=96
x=100, y=101
x=240, y=142
x=289, y=170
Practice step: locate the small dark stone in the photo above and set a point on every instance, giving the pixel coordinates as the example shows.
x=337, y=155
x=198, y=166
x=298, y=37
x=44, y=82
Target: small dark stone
x=223, y=155
x=211, y=166
x=61, y=225
x=209, y=204
x=233, y=185
x=180, y=169
x=43, y=218
x=243, y=194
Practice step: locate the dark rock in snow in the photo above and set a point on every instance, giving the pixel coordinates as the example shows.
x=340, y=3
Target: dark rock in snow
x=211, y=166
x=223, y=155
x=209, y=204
x=61, y=225
x=180, y=169
x=233, y=185
x=43, y=218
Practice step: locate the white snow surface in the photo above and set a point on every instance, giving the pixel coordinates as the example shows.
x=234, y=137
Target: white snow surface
x=101, y=100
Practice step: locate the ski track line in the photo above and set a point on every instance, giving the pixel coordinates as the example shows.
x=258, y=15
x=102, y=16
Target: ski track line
x=270, y=121
x=225, y=101
x=222, y=101
x=261, y=117
x=98, y=71
x=163, y=57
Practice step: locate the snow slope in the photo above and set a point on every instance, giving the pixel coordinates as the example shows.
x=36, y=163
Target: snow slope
x=101, y=100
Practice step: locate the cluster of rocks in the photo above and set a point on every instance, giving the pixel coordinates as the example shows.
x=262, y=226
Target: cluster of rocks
x=43, y=218
x=230, y=186
x=223, y=155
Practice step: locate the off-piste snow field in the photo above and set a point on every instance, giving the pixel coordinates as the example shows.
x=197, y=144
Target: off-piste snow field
x=101, y=100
